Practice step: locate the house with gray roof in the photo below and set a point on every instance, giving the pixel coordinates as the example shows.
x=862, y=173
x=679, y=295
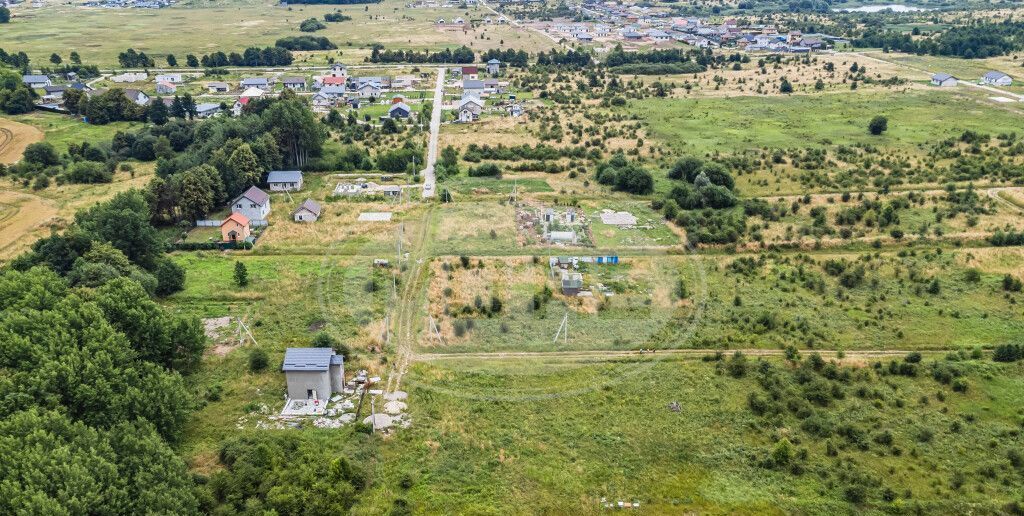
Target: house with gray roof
x=294, y=83
x=255, y=82
x=994, y=78
x=399, y=110
x=472, y=87
x=943, y=79
x=308, y=211
x=217, y=87
x=493, y=66
x=207, y=109
x=36, y=81
x=284, y=180
x=313, y=373
x=253, y=203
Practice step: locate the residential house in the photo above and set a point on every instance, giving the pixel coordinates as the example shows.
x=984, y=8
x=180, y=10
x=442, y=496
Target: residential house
x=339, y=70
x=493, y=67
x=54, y=92
x=308, y=211
x=253, y=203
x=470, y=108
x=284, y=180
x=493, y=86
x=632, y=35
x=330, y=80
x=472, y=87
x=658, y=35
x=294, y=83
x=996, y=79
x=244, y=98
x=256, y=82
x=813, y=43
x=469, y=72
x=36, y=81
x=166, y=88
x=136, y=96
x=400, y=110
x=333, y=92
x=368, y=90
x=583, y=37
x=459, y=21
x=173, y=78
x=572, y=283
x=313, y=373
x=944, y=80
x=207, y=109
x=321, y=100
x=217, y=87
x=235, y=228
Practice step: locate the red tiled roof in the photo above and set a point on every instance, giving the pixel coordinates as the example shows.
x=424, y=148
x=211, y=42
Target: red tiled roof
x=237, y=217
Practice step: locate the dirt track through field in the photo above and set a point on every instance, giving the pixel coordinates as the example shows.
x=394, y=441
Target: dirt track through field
x=599, y=355
x=14, y=137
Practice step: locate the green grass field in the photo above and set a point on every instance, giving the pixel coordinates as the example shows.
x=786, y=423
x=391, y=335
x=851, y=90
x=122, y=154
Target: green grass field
x=916, y=118
x=233, y=25
x=545, y=436
x=62, y=130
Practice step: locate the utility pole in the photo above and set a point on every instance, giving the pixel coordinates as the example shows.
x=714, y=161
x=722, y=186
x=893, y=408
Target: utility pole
x=398, y=244
x=433, y=329
x=563, y=330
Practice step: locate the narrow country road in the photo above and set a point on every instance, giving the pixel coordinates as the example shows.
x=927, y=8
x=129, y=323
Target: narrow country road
x=429, y=179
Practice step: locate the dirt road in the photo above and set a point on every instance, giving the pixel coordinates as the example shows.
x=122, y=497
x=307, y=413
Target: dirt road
x=429, y=179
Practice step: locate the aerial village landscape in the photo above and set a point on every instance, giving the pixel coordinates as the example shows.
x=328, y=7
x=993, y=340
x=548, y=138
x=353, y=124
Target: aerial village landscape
x=523, y=256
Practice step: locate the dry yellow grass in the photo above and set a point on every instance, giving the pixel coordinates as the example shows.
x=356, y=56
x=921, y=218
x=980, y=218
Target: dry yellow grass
x=14, y=137
x=338, y=224
x=32, y=215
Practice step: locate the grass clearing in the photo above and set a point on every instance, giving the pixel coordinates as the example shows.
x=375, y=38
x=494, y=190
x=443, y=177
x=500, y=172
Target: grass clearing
x=568, y=435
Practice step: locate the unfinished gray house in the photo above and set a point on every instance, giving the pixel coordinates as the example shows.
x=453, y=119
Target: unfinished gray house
x=313, y=373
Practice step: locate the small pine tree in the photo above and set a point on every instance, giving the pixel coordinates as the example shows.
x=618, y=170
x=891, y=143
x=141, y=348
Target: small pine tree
x=241, y=275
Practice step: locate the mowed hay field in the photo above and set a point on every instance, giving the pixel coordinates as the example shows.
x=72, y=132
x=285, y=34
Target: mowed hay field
x=26, y=215
x=547, y=436
x=31, y=215
x=203, y=27
x=14, y=137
